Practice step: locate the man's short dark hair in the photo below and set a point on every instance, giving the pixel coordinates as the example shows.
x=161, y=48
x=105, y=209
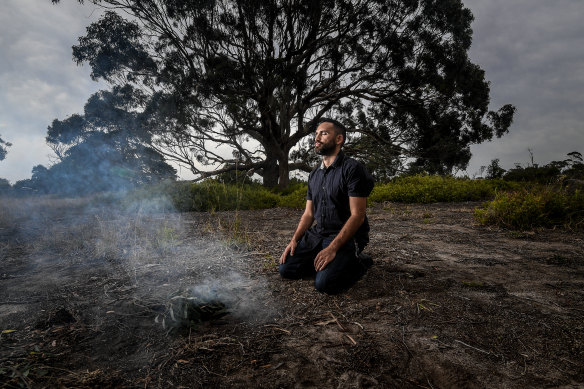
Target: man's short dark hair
x=339, y=127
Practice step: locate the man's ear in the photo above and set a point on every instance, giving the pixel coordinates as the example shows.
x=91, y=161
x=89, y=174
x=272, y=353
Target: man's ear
x=339, y=139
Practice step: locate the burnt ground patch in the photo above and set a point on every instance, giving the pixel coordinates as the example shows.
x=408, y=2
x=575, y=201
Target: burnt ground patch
x=85, y=302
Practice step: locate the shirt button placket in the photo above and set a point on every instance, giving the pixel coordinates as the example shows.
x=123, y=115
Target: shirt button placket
x=323, y=199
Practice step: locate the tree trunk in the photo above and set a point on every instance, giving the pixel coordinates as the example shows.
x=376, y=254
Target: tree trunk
x=270, y=174
x=284, y=178
x=276, y=167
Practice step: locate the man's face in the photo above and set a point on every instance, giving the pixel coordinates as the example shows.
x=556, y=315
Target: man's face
x=325, y=140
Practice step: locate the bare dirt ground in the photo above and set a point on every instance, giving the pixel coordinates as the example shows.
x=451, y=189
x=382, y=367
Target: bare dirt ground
x=447, y=303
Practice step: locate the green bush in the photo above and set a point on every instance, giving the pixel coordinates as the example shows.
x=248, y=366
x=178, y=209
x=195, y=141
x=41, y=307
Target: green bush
x=211, y=195
x=537, y=207
x=541, y=174
x=295, y=199
x=431, y=189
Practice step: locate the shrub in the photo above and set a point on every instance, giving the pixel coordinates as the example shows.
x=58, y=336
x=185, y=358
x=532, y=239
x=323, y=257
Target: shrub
x=538, y=207
x=295, y=199
x=211, y=195
x=541, y=174
x=431, y=189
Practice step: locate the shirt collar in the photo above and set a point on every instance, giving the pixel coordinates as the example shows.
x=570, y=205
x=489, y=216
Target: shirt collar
x=336, y=162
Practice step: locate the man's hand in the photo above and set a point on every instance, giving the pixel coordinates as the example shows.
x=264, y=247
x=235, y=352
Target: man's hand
x=289, y=249
x=323, y=258
x=305, y=222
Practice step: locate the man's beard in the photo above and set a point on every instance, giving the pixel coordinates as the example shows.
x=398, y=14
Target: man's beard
x=326, y=149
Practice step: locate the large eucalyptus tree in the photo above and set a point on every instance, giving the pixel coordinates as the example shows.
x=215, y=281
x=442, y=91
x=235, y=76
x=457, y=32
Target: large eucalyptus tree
x=239, y=83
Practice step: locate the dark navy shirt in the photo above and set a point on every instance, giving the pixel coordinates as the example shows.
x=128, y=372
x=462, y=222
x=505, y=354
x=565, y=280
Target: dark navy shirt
x=330, y=189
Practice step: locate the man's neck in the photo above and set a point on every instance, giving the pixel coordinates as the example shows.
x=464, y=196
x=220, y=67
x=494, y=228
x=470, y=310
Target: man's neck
x=328, y=160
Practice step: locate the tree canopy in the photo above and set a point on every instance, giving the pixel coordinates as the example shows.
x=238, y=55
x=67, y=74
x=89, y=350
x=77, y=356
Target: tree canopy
x=240, y=83
x=102, y=150
x=3, y=148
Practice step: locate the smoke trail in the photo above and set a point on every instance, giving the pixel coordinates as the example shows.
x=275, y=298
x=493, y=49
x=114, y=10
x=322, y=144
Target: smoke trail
x=129, y=255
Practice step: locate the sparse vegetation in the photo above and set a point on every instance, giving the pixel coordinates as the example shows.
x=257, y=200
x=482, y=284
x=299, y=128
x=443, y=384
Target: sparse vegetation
x=538, y=207
x=212, y=195
x=431, y=189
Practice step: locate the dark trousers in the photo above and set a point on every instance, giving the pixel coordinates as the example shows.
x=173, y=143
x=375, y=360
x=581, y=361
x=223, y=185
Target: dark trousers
x=338, y=275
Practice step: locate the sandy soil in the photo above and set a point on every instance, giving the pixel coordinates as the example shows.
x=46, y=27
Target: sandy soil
x=84, y=293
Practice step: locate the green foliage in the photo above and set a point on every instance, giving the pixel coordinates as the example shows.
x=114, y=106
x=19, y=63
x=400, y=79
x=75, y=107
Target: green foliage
x=431, y=189
x=538, y=207
x=211, y=195
x=514, y=205
x=295, y=199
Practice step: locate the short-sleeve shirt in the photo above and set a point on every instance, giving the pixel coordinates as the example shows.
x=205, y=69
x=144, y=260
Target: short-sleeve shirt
x=330, y=189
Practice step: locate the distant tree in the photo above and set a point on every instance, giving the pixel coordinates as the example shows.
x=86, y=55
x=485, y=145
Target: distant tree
x=5, y=186
x=555, y=171
x=574, y=166
x=23, y=187
x=254, y=76
x=3, y=148
x=494, y=170
x=575, y=157
x=534, y=173
x=103, y=149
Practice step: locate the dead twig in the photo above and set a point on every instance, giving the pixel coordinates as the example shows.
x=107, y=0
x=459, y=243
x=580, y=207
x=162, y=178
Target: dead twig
x=474, y=348
x=428, y=380
x=337, y=321
x=351, y=338
x=277, y=328
x=211, y=372
x=283, y=330
x=566, y=360
x=325, y=322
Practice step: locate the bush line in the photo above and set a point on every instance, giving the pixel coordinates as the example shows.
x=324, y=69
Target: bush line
x=510, y=205
x=542, y=206
x=435, y=189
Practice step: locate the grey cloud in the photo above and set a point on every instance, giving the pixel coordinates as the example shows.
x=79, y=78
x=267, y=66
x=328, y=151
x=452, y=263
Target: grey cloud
x=38, y=79
x=531, y=52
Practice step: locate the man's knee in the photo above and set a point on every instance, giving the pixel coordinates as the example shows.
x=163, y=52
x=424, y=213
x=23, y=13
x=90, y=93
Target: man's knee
x=327, y=285
x=287, y=272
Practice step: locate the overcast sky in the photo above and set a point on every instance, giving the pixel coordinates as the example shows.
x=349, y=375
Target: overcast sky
x=532, y=52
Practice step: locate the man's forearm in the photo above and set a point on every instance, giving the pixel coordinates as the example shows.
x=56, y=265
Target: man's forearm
x=347, y=232
x=303, y=225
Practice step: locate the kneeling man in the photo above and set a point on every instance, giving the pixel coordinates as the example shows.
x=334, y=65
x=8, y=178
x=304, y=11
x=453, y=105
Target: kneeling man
x=336, y=200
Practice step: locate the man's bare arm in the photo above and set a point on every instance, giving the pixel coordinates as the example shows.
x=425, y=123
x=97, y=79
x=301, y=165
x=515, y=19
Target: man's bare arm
x=303, y=225
x=358, y=206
